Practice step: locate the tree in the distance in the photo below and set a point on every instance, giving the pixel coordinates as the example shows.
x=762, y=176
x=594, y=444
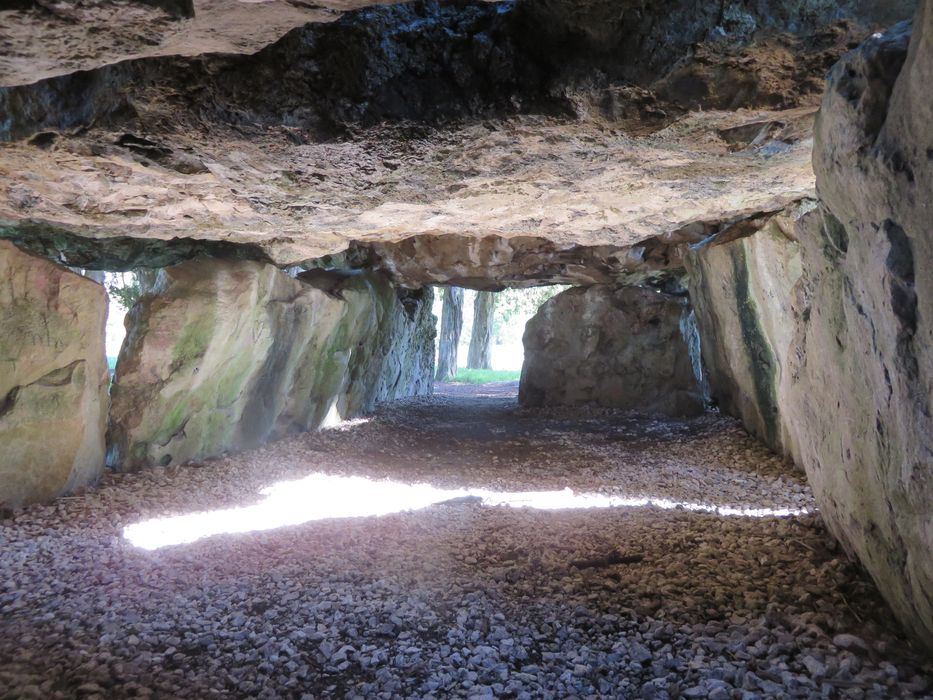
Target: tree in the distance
x=484, y=310
x=451, y=325
x=516, y=305
x=127, y=287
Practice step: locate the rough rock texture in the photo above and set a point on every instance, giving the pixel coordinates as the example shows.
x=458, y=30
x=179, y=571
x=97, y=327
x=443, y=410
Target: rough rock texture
x=44, y=39
x=455, y=198
x=225, y=355
x=53, y=378
x=861, y=383
x=453, y=597
x=613, y=347
x=637, y=38
x=741, y=286
x=415, y=119
x=649, y=35
x=493, y=262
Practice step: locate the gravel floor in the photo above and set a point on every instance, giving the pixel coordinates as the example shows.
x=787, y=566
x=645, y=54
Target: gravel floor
x=664, y=597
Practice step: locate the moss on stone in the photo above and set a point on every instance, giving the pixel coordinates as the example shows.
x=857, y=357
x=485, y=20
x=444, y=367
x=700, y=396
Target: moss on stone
x=281, y=363
x=231, y=382
x=194, y=339
x=173, y=419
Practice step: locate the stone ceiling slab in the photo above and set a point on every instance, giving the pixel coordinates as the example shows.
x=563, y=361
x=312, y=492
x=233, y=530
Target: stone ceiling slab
x=569, y=182
x=41, y=40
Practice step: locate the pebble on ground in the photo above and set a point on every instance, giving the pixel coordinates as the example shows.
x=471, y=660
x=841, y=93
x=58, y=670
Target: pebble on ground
x=459, y=598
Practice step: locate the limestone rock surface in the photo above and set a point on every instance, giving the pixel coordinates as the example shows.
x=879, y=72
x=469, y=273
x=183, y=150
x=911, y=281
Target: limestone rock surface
x=741, y=287
x=413, y=119
x=613, y=347
x=53, y=378
x=226, y=355
x=525, y=198
x=543, y=126
x=861, y=381
x=43, y=40
x=651, y=32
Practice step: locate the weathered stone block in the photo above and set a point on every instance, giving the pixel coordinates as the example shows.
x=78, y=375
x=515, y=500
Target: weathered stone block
x=53, y=378
x=860, y=385
x=226, y=355
x=613, y=347
x=741, y=290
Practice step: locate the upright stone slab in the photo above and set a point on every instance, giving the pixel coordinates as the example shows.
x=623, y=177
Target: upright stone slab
x=613, y=347
x=860, y=385
x=741, y=290
x=225, y=355
x=381, y=348
x=53, y=378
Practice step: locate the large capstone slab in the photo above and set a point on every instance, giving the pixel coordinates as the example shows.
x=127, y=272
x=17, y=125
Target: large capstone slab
x=53, y=379
x=861, y=380
x=741, y=286
x=614, y=347
x=226, y=355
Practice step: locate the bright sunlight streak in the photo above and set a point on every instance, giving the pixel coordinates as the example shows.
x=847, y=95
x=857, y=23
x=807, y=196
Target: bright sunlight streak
x=323, y=496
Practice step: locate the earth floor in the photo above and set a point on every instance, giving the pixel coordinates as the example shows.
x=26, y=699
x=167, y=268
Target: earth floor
x=451, y=546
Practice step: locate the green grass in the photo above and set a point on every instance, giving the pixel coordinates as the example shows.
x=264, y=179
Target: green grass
x=485, y=376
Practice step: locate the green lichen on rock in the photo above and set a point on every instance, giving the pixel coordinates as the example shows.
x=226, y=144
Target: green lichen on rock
x=763, y=366
x=230, y=354
x=195, y=339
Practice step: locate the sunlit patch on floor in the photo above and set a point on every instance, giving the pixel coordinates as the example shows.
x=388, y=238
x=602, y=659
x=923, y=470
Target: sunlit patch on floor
x=333, y=421
x=323, y=496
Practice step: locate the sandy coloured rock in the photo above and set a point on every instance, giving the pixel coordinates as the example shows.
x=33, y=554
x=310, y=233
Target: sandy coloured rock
x=861, y=380
x=53, y=379
x=741, y=288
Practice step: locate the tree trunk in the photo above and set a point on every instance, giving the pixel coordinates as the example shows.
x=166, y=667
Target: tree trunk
x=484, y=308
x=451, y=325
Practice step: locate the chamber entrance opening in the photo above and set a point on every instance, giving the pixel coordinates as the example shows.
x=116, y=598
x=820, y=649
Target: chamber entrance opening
x=479, y=333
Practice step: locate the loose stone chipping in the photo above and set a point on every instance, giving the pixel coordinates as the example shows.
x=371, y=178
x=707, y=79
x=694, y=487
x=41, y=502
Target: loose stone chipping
x=53, y=378
x=456, y=600
x=514, y=143
x=226, y=355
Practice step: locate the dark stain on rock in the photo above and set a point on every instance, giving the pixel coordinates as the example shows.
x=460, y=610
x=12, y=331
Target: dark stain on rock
x=121, y=253
x=836, y=236
x=761, y=359
x=900, y=264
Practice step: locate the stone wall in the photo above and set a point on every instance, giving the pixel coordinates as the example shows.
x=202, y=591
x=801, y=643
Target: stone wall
x=820, y=338
x=860, y=385
x=614, y=347
x=226, y=355
x=741, y=290
x=53, y=379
